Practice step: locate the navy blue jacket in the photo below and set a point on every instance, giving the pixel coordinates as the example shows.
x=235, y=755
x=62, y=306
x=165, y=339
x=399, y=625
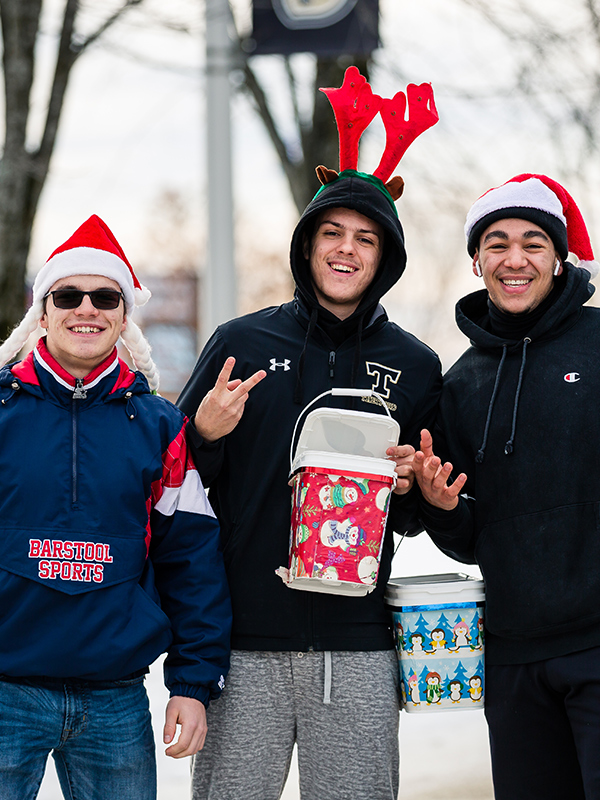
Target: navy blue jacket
x=108, y=546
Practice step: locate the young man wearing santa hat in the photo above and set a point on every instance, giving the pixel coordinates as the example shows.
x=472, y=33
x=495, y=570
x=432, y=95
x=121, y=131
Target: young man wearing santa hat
x=518, y=426
x=109, y=549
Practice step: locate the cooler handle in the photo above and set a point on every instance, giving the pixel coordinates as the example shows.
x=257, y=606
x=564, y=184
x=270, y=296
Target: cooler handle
x=335, y=393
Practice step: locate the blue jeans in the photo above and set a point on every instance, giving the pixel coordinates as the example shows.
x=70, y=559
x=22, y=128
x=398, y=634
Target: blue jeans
x=100, y=738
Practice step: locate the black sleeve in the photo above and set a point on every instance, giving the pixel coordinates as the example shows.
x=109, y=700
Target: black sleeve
x=207, y=456
x=452, y=531
x=404, y=509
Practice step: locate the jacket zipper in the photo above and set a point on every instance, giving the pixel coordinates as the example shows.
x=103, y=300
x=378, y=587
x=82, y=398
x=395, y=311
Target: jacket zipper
x=79, y=394
x=332, y=364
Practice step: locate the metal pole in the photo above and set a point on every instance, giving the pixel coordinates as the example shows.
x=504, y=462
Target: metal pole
x=219, y=292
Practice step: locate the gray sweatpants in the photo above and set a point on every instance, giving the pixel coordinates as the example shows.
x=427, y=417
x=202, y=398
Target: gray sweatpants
x=347, y=745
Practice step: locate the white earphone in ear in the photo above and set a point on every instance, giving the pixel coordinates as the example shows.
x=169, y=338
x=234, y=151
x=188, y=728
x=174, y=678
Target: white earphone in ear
x=477, y=268
x=557, y=267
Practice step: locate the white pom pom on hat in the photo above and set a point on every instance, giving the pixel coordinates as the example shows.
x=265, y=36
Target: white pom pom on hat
x=92, y=250
x=541, y=200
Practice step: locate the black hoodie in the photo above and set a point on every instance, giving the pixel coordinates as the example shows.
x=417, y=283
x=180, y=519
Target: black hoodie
x=518, y=417
x=305, y=351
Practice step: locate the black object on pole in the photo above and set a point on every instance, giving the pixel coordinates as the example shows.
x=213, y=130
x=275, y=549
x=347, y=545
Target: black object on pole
x=325, y=27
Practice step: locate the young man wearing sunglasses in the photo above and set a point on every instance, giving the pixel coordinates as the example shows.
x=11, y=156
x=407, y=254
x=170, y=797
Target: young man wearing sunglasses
x=108, y=546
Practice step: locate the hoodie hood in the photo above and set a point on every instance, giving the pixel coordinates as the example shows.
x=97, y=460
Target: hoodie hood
x=472, y=312
x=352, y=191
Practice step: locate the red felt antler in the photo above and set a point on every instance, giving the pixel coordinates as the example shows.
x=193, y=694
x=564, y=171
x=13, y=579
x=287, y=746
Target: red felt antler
x=354, y=106
x=401, y=133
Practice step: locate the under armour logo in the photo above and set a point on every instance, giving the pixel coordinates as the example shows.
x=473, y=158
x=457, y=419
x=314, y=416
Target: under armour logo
x=572, y=377
x=285, y=364
x=384, y=376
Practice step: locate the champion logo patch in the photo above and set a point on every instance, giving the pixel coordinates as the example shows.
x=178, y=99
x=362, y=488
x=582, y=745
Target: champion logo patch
x=572, y=377
x=285, y=364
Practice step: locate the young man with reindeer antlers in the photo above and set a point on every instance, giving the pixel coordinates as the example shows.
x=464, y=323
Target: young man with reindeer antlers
x=316, y=669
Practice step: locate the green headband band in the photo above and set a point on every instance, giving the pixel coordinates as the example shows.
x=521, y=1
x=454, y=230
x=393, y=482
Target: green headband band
x=376, y=182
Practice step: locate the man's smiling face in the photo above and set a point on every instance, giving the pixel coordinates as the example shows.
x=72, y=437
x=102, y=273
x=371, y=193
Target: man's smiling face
x=517, y=259
x=82, y=338
x=344, y=256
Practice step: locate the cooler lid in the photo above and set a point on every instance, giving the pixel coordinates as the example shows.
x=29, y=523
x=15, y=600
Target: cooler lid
x=442, y=588
x=341, y=463
x=357, y=433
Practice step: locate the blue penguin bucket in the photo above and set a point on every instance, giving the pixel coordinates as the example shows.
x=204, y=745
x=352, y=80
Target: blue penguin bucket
x=438, y=630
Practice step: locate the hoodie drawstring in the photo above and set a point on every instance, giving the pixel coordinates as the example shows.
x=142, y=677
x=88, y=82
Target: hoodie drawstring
x=481, y=451
x=357, y=353
x=300, y=371
x=130, y=408
x=15, y=388
x=509, y=446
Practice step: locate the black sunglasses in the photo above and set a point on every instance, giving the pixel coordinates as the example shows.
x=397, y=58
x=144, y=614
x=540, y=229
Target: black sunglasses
x=102, y=299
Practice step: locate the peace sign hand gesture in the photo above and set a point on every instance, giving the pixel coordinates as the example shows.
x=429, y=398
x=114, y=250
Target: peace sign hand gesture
x=222, y=407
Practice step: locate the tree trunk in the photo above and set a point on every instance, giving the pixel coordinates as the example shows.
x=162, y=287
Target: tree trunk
x=19, y=19
x=318, y=137
x=23, y=168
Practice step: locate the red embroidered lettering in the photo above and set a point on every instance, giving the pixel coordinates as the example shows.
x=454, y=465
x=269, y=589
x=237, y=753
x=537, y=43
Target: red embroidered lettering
x=46, y=549
x=78, y=547
x=54, y=569
x=65, y=570
x=87, y=572
x=44, y=569
x=107, y=556
x=89, y=552
x=76, y=572
x=57, y=548
x=98, y=575
x=68, y=550
x=34, y=548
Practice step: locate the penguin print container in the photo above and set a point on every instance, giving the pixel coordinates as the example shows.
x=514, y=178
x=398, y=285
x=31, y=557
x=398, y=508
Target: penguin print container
x=341, y=483
x=439, y=634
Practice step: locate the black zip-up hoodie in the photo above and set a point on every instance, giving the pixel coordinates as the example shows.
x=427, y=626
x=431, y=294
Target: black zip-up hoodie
x=518, y=417
x=305, y=351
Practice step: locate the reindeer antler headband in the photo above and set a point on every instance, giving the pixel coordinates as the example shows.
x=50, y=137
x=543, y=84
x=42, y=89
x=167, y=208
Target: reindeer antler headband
x=355, y=107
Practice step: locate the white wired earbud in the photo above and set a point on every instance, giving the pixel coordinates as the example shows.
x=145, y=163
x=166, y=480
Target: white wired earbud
x=557, y=267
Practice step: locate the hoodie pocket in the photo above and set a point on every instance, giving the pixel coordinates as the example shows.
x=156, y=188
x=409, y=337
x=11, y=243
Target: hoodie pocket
x=73, y=562
x=542, y=571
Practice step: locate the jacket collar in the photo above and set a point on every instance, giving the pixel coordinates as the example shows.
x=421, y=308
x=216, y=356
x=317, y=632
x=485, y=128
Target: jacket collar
x=40, y=369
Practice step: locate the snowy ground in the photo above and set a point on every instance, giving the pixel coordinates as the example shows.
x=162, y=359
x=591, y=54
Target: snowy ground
x=444, y=756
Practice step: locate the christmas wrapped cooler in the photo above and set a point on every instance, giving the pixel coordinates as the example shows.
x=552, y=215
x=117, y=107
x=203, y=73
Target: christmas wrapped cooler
x=438, y=629
x=341, y=481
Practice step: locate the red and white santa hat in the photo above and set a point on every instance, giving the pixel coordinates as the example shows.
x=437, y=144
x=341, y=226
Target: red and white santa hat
x=540, y=200
x=92, y=250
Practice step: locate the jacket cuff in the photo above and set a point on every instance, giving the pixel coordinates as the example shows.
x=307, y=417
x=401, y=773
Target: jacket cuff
x=196, y=440
x=439, y=520
x=200, y=693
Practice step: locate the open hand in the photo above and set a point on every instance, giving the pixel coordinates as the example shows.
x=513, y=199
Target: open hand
x=432, y=476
